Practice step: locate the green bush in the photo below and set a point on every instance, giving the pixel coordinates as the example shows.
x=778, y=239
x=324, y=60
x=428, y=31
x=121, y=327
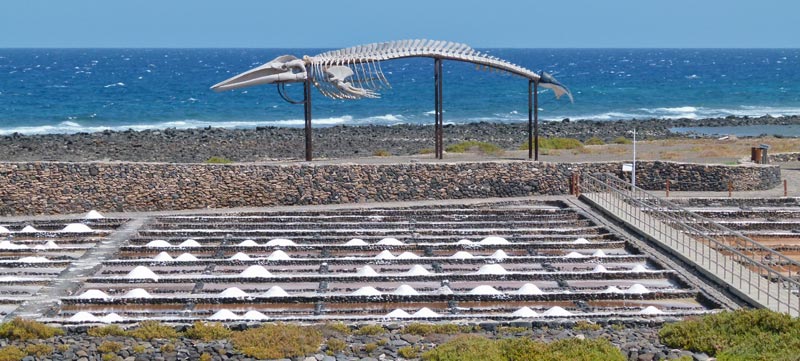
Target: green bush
x=139, y=348
x=483, y=147
x=466, y=348
x=335, y=346
x=737, y=335
x=167, y=348
x=510, y=329
x=103, y=331
x=205, y=331
x=555, y=143
x=150, y=330
x=370, y=347
x=594, y=141
x=622, y=140
x=39, y=350
x=370, y=330
x=338, y=327
x=408, y=352
x=22, y=329
x=110, y=347
x=12, y=353
x=271, y=341
x=218, y=160
x=586, y=326
x=425, y=329
x=206, y=357
x=381, y=153
x=425, y=151
x=470, y=347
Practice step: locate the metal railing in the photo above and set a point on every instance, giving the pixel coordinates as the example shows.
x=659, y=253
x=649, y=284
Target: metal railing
x=737, y=260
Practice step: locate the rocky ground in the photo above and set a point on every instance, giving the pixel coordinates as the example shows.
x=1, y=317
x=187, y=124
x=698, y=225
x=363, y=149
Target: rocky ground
x=269, y=143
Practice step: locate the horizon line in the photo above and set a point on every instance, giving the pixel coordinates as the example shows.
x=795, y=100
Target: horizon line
x=329, y=47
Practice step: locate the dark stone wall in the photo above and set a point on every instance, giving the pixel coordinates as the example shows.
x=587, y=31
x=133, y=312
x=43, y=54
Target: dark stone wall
x=56, y=187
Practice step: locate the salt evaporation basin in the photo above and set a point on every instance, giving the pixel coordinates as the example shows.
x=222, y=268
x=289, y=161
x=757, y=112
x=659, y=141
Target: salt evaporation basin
x=407, y=255
x=651, y=310
x=190, y=243
x=525, y=312
x=397, y=313
x=84, y=316
x=94, y=294
x=255, y=271
x=389, y=241
x=239, y=256
x=417, y=270
x=254, y=316
x=600, y=268
x=29, y=229
x=637, y=288
x=356, y=242
x=137, y=293
x=557, y=311
x=278, y=256
x=93, y=214
x=580, y=241
x=425, y=313
x=366, y=291
x=283, y=242
x=223, y=315
x=529, y=289
x=248, y=243
x=163, y=257
x=47, y=245
x=111, y=318
x=485, y=290
x=12, y=245
x=142, y=272
x=492, y=240
x=499, y=254
x=492, y=269
x=405, y=290
x=4, y=230
x=159, y=243
x=575, y=255
x=34, y=259
x=639, y=268
x=233, y=292
x=76, y=228
x=366, y=271
x=275, y=291
x=462, y=255
x=186, y=257
x=385, y=254
x=599, y=253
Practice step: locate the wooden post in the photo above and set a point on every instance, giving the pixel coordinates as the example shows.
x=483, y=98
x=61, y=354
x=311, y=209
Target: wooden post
x=730, y=189
x=667, y=188
x=785, y=190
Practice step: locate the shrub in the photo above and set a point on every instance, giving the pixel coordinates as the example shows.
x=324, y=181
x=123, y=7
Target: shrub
x=510, y=329
x=167, y=348
x=39, y=350
x=483, y=147
x=426, y=151
x=335, y=346
x=110, y=347
x=466, y=348
x=408, y=352
x=22, y=329
x=594, y=141
x=622, y=140
x=271, y=341
x=586, y=326
x=109, y=357
x=63, y=347
x=383, y=342
x=218, y=160
x=370, y=347
x=103, y=331
x=737, y=335
x=11, y=353
x=370, y=330
x=150, y=330
x=470, y=347
x=339, y=327
x=139, y=349
x=574, y=349
x=555, y=143
x=208, y=331
x=381, y=153
x=425, y=329
x=206, y=357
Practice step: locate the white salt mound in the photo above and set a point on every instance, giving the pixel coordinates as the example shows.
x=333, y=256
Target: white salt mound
x=137, y=293
x=356, y=242
x=239, y=256
x=575, y=255
x=93, y=214
x=254, y=316
x=186, y=257
x=366, y=291
x=557, y=311
x=90, y=294
x=444, y=290
x=492, y=269
x=580, y=241
x=278, y=256
x=639, y=268
x=248, y=243
x=494, y=240
x=499, y=254
x=255, y=271
x=111, y=318
x=281, y=242
x=385, y=254
x=462, y=255
x=613, y=289
x=599, y=253
x=425, y=312
x=159, y=243
x=405, y=290
x=84, y=316
x=34, y=259
x=163, y=257
x=417, y=270
x=77, y=228
x=233, y=292
x=224, y=314
x=529, y=289
x=525, y=312
x=142, y=272
x=4, y=230
x=485, y=290
x=389, y=241
x=638, y=289
x=275, y=291
x=651, y=310
x=464, y=242
x=190, y=243
x=407, y=255
x=51, y=245
x=366, y=271
x=11, y=245
x=600, y=268
x=397, y=313
x=29, y=229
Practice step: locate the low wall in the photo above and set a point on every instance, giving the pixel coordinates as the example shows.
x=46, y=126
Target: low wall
x=783, y=157
x=54, y=187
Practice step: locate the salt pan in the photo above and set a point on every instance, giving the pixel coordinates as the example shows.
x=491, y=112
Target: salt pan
x=492, y=269
x=356, y=242
x=233, y=292
x=493, y=240
x=366, y=291
x=186, y=257
x=163, y=257
x=255, y=316
x=575, y=255
x=529, y=289
x=385, y=254
x=11, y=245
x=407, y=255
x=525, y=312
x=76, y=228
x=91, y=294
x=190, y=243
x=464, y=242
x=278, y=256
x=239, y=256
x=389, y=241
x=485, y=290
x=34, y=259
x=580, y=241
x=4, y=230
x=48, y=245
x=600, y=268
x=599, y=253
x=248, y=243
x=256, y=271
x=111, y=318
x=639, y=268
x=499, y=254
x=93, y=214
x=137, y=293
x=224, y=314
x=366, y=271
x=275, y=291
x=397, y=313
x=444, y=290
x=637, y=289
x=651, y=310
x=425, y=313
x=557, y=311
x=417, y=270
x=159, y=243
x=462, y=255
x=405, y=290
x=142, y=272
x=281, y=242
x=29, y=229
x=84, y=316
x=613, y=289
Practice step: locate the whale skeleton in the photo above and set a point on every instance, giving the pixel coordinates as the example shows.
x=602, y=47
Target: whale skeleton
x=355, y=73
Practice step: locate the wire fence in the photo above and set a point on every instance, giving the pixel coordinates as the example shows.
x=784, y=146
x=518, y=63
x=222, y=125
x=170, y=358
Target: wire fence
x=762, y=274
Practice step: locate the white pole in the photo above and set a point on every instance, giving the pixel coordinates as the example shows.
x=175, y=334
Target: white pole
x=633, y=171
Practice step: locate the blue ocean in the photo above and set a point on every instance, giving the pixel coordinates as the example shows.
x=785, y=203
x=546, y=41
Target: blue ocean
x=89, y=90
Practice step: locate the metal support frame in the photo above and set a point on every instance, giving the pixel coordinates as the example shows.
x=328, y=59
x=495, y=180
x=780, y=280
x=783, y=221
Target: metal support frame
x=307, y=115
x=438, y=128
x=536, y=120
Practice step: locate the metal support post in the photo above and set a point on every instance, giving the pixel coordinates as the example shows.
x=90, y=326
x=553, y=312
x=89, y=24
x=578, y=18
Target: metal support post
x=536, y=120
x=437, y=76
x=307, y=115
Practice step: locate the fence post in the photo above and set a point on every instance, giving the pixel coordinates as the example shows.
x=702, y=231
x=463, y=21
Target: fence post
x=730, y=189
x=785, y=191
x=667, y=187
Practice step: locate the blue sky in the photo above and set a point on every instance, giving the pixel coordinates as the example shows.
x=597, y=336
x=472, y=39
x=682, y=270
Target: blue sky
x=487, y=23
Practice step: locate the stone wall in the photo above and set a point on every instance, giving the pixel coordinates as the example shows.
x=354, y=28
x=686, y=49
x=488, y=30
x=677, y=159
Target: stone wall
x=784, y=157
x=54, y=187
